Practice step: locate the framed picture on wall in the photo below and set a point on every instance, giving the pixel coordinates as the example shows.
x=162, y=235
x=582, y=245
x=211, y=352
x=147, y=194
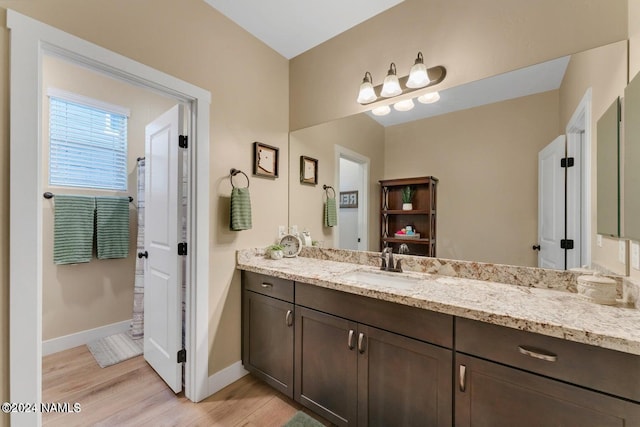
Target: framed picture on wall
x=265, y=160
x=349, y=199
x=308, y=170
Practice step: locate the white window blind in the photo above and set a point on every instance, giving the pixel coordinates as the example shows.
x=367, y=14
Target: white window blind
x=87, y=143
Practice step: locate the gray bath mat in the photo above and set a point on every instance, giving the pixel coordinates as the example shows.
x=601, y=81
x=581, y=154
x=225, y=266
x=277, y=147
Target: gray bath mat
x=115, y=349
x=300, y=419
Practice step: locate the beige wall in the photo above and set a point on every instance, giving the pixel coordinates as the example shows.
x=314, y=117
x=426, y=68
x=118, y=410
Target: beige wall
x=249, y=86
x=472, y=39
x=98, y=293
x=358, y=133
x=604, y=70
x=634, y=38
x=486, y=160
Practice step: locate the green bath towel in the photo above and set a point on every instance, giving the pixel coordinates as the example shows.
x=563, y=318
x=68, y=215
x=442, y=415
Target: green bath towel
x=240, y=209
x=330, y=215
x=73, y=229
x=112, y=227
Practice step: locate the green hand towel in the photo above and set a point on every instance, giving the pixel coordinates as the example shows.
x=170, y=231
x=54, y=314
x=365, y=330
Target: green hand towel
x=73, y=229
x=112, y=227
x=330, y=215
x=240, y=209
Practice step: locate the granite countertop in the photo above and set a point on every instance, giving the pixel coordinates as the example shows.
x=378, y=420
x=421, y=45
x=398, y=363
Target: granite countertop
x=548, y=312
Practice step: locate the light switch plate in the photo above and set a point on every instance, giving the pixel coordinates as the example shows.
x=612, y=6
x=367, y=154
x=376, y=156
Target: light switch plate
x=281, y=231
x=294, y=230
x=622, y=256
x=635, y=255
x=599, y=240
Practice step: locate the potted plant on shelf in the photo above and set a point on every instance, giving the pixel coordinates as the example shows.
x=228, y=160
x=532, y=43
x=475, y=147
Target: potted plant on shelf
x=274, y=251
x=407, y=196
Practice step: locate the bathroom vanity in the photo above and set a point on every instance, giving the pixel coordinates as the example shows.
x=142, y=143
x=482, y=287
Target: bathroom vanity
x=363, y=347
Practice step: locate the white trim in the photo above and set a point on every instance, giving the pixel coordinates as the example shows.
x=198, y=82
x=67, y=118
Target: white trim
x=228, y=375
x=30, y=39
x=89, y=102
x=66, y=342
x=365, y=162
x=581, y=122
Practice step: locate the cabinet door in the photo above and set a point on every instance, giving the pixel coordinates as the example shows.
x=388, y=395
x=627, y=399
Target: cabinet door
x=492, y=395
x=326, y=365
x=267, y=349
x=402, y=381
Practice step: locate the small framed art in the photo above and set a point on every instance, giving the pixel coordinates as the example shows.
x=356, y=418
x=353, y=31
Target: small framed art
x=308, y=170
x=265, y=160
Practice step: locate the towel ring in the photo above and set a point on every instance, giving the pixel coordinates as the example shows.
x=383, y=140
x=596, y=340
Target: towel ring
x=235, y=172
x=327, y=188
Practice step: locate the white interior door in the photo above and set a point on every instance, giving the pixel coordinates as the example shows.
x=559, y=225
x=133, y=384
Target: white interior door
x=551, y=205
x=162, y=290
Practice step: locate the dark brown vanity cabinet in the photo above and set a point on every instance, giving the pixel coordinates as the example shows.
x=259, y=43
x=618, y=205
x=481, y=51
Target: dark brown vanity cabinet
x=356, y=374
x=540, y=380
x=267, y=330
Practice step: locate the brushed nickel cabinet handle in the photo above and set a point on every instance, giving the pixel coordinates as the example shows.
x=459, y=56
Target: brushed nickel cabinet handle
x=289, y=318
x=361, y=343
x=463, y=378
x=266, y=285
x=537, y=353
x=350, y=339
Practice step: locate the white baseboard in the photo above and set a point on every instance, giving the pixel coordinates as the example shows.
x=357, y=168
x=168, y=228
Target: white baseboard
x=228, y=375
x=66, y=342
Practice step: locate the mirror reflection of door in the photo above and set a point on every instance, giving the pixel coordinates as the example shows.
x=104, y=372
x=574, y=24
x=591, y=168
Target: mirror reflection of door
x=351, y=216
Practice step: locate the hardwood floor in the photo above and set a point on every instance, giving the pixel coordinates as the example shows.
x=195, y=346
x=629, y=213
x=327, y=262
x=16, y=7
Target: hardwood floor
x=132, y=394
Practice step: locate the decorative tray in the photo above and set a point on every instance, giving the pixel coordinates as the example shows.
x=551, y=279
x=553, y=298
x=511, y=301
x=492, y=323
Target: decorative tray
x=407, y=236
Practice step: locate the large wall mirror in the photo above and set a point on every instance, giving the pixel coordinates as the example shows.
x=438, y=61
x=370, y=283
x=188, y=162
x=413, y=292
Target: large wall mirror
x=608, y=166
x=481, y=140
x=632, y=159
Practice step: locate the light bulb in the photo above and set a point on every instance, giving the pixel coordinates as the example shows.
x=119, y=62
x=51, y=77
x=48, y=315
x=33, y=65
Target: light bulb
x=366, y=94
x=429, y=98
x=404, y=105
x=418, y=76
x=391, y=86
x=381, y=111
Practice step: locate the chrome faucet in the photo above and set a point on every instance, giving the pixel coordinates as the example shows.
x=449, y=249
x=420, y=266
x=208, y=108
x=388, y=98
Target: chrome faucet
x=387, y=262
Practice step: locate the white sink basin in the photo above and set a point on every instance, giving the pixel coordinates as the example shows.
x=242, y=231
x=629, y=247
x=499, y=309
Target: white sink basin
x=392, y=280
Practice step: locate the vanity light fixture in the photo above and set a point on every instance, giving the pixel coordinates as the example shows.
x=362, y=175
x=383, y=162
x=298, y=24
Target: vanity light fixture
x=404, y=105
x=429, y=98
x=419, y=77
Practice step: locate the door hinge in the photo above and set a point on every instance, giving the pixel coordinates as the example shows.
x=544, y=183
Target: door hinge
x=566, y=243
x=182, y=356
x=182, y=248
x=183, y=141
x=567, y=162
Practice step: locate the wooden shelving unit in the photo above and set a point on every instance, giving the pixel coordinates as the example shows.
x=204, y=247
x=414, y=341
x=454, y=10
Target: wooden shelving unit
x=422, y=217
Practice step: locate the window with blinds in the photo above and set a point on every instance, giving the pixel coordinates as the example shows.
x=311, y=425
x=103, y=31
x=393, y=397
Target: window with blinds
x=87, y=143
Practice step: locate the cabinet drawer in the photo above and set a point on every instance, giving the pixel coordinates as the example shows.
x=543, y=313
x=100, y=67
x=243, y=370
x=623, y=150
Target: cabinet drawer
x=268, y=285
x=424, y=325
x=597, y=368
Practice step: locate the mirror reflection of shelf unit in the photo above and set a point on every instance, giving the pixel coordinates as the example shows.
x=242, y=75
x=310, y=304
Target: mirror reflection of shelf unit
x=422, y=218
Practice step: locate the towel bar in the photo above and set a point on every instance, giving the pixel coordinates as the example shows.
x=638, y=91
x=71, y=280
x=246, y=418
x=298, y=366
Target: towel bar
x=327, y=188
x=49, y=195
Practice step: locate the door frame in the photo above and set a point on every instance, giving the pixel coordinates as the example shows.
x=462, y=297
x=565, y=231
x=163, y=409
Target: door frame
x=363, y=202
x=579, y=137
x=29, y=41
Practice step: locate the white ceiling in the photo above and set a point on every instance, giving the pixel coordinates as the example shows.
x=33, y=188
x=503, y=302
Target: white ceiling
x=291, y=27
